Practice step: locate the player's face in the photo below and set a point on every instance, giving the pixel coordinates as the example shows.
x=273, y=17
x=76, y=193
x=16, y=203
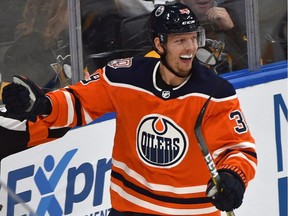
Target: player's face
x=180, y=51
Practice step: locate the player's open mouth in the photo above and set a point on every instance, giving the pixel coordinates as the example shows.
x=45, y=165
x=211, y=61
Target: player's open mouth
x=186, y=57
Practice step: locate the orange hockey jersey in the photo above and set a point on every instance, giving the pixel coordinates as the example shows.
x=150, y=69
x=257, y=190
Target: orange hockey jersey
x=157, y=166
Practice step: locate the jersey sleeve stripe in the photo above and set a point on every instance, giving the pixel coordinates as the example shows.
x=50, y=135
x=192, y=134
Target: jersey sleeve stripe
x=57, y=133
x=13, y=124
x=243, y=145
x=77, y=108
x=87, y=117
x=252, y=163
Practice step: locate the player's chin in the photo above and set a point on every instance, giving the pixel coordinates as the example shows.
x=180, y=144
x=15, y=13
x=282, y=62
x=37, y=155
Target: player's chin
x=186, y=66
x=184, y=73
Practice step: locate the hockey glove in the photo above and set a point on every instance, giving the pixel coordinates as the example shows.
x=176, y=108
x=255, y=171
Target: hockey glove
x=24, y=99
x=232, y=191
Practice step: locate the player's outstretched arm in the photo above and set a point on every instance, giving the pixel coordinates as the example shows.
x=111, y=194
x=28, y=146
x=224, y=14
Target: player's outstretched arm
x=24, y=99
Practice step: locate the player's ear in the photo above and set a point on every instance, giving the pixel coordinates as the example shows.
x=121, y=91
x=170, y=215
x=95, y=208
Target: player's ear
x=158, y=45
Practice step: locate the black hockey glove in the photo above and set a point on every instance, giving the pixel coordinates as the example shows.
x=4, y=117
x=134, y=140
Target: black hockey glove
x=231, y=195
x=24, y=99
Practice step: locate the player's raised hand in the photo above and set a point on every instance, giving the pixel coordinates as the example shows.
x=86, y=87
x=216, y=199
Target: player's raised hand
x=232, y=191
x=24, y=99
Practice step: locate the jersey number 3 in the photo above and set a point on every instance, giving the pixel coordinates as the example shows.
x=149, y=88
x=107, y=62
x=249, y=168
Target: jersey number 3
x=241, y=124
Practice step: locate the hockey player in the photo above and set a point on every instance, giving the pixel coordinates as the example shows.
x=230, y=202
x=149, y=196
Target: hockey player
x=157, y=166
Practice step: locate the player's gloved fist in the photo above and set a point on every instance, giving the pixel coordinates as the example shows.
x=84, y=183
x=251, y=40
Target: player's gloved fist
x=16, y=98
x=25, y=99
x=232, y=191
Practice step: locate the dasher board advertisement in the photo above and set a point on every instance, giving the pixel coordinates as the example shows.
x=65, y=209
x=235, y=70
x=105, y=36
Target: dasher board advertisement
x=69, y=176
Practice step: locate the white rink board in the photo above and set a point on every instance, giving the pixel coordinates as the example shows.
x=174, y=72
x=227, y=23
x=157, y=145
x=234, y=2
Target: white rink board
x=91, y=143
x=94, y=143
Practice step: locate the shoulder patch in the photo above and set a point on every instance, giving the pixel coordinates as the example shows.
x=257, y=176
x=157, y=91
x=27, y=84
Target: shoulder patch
x=120, y=63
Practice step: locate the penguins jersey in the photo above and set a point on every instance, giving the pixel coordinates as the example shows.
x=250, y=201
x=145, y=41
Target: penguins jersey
x=157, y=165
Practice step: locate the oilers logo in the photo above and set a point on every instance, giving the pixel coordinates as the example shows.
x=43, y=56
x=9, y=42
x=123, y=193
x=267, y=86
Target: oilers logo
x=160, y=141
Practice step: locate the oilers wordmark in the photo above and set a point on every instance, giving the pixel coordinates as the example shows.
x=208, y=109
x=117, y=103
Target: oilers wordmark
x=94, y=179
x=164, y=148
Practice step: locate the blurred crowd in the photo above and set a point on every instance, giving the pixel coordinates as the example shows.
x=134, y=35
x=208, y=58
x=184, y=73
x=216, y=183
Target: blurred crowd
x=34, y=39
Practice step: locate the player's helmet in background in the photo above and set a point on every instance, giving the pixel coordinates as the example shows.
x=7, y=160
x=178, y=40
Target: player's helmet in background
x=172, y=19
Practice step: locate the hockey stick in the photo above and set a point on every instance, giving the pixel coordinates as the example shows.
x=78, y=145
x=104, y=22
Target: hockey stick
x=17, y=198
x=205, y=151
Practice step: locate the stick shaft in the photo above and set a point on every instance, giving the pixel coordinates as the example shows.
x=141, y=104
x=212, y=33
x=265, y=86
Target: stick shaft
x=205, y=151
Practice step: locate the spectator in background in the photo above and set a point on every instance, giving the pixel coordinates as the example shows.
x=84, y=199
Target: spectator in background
x=225, y=29
x=10, y=16
x=282, y=32
x=276, y=43
x=41, y=47
x=113, y=29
